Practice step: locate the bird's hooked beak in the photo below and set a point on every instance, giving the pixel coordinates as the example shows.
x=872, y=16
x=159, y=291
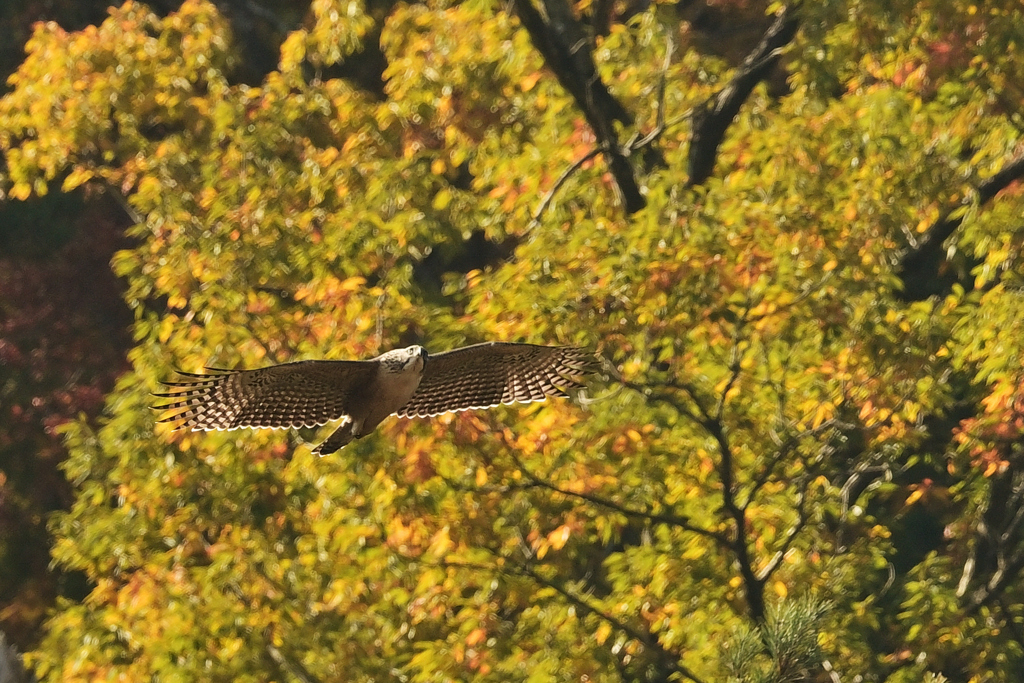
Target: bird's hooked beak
x=423, y=355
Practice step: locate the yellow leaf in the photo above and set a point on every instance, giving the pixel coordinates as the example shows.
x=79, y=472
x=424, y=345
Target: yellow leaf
x=694, y=551
x=166, y=328
x=149, y=187
x=824, y=412
x=441, y=543
x=207, y=197
x=293, y=51
x=442, y=199
x=76, y=178
x=476, y=636
x=21, y=191
x=353, y=283
x=527, y=82
x=603, y=631
x=559, y=536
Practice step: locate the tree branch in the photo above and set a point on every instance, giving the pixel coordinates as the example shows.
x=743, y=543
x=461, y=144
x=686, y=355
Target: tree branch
x=129, y=210
x=712, y=119
x=1000, y=579
x=566, y=50
x=295, y=669
x=919, y=266
x=671, y=520
x=549, y=197
x=784, y=449
x=669, y=660
x=791, y=534
x=634, y=144
x=459, y=485
x=286, y=664
x=509, y=566
x=754, y=586
x=12, y=668
x=998, y=550
x=699, y=418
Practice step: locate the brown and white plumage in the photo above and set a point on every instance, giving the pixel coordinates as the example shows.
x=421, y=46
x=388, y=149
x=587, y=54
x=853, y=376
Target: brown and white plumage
x=406, y=382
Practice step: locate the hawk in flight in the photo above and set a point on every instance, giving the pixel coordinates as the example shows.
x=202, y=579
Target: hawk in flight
x=406, y=382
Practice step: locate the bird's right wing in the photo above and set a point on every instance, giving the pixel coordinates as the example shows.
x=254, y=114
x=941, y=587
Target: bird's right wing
x=486, y=375
x=303, y=394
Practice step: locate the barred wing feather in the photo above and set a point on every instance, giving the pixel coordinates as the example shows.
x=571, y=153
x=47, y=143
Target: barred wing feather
x=490, y=374
x=301, y=394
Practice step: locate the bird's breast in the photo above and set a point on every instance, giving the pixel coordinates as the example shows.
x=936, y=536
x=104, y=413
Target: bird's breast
x=391, y=391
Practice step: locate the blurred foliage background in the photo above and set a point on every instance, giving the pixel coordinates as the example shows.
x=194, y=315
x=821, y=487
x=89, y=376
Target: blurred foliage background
x=791, y=232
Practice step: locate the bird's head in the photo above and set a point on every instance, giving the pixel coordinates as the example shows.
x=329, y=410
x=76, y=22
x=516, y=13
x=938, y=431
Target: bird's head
x=411, y=358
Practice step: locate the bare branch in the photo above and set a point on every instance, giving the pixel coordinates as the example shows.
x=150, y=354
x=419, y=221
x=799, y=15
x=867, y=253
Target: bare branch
x=122, y=201
x=700, y=417
x=295, y=669
x=1005, y=575
x=784, y=450
x=670, y=660
x=659, y=127
x=12, y=668
x=543, y=206
x=998, y=552
x=457, y=485
x=632, y=145
x=679, y=521
x=734, y=375
x=791, y=534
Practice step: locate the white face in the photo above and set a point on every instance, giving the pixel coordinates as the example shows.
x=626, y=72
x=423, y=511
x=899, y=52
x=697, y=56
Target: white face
x=417, y=358
x=411, y=358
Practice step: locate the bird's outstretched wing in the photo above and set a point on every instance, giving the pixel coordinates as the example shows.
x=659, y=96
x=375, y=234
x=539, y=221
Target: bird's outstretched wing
x=303, y=394
x=486, y=375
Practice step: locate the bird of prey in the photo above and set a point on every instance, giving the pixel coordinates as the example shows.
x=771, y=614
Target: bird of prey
x=407, y=382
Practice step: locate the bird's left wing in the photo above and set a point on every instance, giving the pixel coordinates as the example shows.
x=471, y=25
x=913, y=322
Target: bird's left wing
x=303, y=394
x=486, y=375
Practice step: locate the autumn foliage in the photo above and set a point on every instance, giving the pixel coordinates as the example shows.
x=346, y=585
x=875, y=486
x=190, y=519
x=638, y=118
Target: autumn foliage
x=801, y=458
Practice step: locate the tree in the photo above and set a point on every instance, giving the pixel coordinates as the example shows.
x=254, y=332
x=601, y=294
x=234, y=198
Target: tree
x=11, y=669
x=61, y=347
x=807, y=432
